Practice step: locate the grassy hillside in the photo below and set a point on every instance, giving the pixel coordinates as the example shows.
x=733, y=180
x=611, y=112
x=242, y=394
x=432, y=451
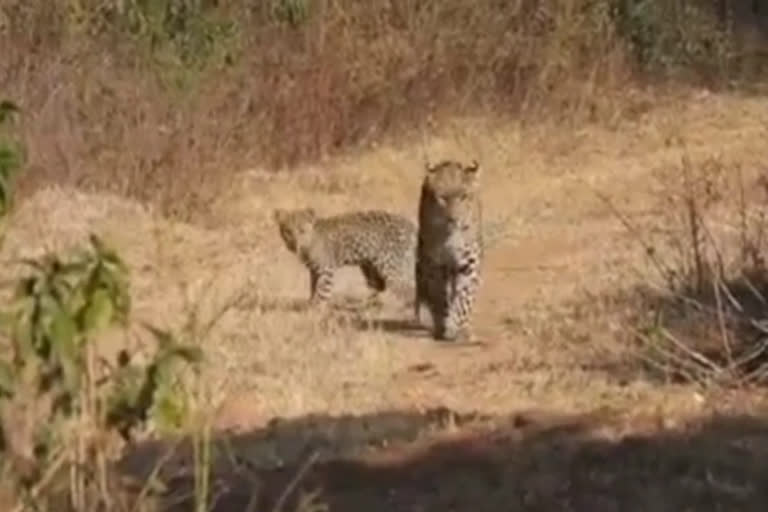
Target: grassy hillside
x=161, y=100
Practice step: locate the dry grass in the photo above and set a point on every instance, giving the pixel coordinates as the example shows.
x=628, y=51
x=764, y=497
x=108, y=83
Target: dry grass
x=267, y=359
x=353, y=103
x=105, y=113
x=557, y=226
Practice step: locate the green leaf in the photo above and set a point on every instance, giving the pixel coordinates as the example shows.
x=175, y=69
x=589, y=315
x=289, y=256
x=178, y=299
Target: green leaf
x=7, y=110
x=7, y=378
x=99, y=311
x=63, y=330
x=170, y=409
x=23, y=335
x=63, y=341
x=10, y=162
x=6, y=321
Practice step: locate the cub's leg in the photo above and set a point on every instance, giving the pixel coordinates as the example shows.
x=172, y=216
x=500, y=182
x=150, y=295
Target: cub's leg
x=321, y=283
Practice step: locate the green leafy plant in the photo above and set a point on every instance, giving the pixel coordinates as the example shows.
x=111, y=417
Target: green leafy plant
x=53, y=323
x=56, y=311
x=151, y=390
x=53, y=367
x=60, y=399
x=184, y=35
x=667, y=36
x=11, y=156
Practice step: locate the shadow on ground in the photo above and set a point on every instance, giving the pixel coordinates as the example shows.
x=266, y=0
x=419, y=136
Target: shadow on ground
x=392, y=325
x=364, y=315
x=443, y=461
x=713, y=333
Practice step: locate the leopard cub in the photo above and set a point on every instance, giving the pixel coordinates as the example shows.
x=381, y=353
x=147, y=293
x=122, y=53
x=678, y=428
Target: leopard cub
x=381, y=244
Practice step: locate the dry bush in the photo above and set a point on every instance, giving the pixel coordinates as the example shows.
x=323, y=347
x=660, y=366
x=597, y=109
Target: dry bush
x=162, y=101
x=164, y=107
x=706, y=294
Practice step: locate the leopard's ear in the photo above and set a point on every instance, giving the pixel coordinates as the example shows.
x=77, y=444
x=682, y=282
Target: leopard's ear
x=310, y=212
x=278, y=214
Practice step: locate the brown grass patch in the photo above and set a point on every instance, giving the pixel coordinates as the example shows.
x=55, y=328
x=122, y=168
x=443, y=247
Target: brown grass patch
x=172, y=121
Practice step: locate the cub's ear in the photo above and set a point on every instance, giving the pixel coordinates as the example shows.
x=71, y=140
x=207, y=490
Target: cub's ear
x=278, y=214
x=310, y=212
x=428, y=167
x=473, y=169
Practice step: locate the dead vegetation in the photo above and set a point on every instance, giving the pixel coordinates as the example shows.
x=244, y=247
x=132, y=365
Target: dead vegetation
x=190, y=107
x=702, y=303
x=165, y=104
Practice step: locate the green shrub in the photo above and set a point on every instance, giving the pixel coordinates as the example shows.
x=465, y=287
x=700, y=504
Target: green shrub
x=669, y=35
x=61, y=399
x=11, y=157
x=57, y=313
x=184, y=36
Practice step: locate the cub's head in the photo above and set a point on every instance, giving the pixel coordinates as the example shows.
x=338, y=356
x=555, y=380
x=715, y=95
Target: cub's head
x=296, y=226
x=454, y=187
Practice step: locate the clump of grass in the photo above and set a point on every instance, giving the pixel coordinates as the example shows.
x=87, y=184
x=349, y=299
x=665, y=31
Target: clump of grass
x=707, y=293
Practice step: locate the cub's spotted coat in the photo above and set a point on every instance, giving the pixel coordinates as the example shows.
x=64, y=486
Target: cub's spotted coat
x=381, y=244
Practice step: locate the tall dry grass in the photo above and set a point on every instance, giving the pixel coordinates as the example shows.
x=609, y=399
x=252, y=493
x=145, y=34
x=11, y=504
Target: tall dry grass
x=163, y=103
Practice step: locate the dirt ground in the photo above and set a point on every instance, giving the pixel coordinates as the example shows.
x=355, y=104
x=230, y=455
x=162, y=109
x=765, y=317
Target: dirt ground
x=547, y=412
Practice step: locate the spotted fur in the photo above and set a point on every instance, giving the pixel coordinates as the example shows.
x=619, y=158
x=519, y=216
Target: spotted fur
x=449, y=247
x=381, y=244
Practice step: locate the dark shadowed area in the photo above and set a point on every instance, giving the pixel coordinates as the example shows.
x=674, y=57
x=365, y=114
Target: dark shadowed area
x=528, y=461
